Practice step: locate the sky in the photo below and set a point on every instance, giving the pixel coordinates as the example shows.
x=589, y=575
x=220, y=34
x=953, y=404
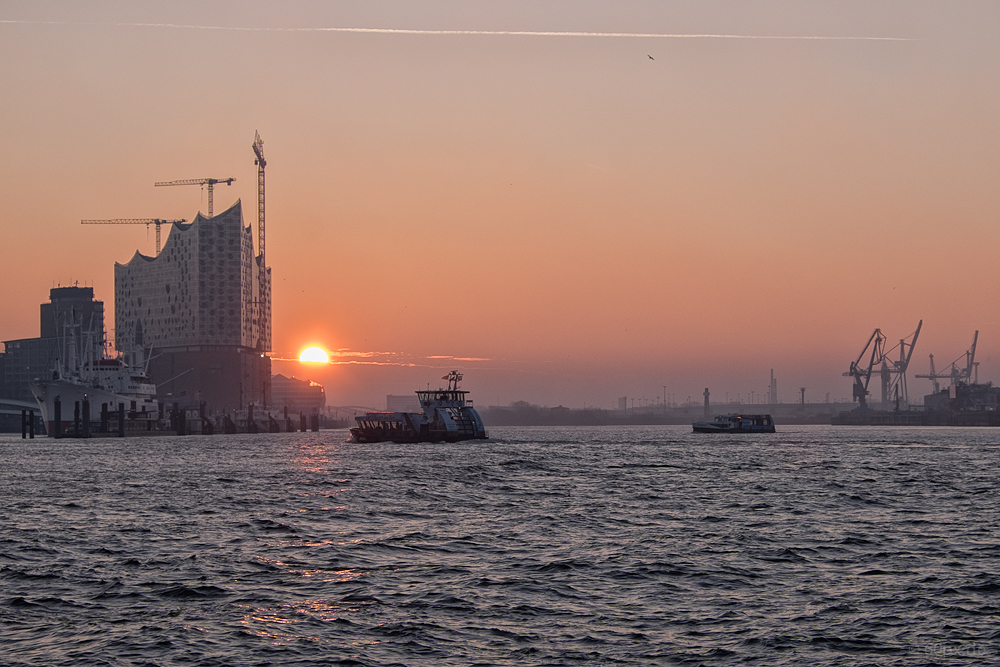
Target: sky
x=569, y=201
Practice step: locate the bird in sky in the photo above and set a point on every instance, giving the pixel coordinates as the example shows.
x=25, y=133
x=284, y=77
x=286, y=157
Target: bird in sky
x=651, y=57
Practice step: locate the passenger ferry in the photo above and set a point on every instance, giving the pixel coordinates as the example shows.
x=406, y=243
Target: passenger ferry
x=736, y=423
x=446, y=416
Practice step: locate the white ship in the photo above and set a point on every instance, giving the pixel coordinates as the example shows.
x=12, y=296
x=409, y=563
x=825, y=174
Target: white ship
x=86, y=372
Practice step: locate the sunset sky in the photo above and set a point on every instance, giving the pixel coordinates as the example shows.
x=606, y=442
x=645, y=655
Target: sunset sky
x=570, y=201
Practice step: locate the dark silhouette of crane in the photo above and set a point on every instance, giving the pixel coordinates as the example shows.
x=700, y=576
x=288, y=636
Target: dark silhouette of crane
x=954, y=373
x=263, y=304
x=210, y=182
x=136, y=221
x=258, y=149
x=892, y=372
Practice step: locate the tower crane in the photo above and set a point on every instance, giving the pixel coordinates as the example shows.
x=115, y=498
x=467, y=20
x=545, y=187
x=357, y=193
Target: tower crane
x=210, y=182
x=264, y=307
x=258, y=149
x=136, y=221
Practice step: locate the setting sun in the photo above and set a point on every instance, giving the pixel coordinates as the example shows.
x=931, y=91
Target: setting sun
x=315, y=355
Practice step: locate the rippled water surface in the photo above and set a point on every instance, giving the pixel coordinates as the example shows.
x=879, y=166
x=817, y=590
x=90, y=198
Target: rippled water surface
x=542, y=546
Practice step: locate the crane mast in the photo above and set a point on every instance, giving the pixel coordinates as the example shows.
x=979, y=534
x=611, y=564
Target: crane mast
x=263, y=300
x=258, y=149
x=210, y=182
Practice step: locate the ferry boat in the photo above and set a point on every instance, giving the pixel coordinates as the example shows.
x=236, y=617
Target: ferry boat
x=446, y=416
x=736, y=423
x=86, y=372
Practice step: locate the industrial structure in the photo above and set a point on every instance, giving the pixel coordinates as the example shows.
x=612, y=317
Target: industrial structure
x=967, y=375
x=892, y=372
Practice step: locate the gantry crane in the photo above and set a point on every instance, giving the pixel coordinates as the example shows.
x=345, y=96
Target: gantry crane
x=892, y=372
x=210, y=182
x=956, y=374
x=136, y=221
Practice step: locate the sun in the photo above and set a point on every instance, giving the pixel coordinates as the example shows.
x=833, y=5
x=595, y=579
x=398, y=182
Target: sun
x=314, y=355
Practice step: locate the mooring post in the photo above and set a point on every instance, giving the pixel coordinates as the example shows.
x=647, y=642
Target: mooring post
x=57, y=422
x=24, y=424
x=31, y=424
x=179, y=419
x=85, y=433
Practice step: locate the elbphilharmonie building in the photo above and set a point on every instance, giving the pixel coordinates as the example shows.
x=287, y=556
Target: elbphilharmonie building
x=204, y=307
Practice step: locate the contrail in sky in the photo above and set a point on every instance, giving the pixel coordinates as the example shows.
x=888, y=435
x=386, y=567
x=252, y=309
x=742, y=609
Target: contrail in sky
x=487, y=33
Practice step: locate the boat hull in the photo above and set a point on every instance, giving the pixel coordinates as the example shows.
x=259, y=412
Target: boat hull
x=736, y=423
x=396, y=435
x=709, y=428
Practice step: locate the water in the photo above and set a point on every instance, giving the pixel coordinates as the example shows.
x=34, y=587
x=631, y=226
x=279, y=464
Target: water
x=542, y=546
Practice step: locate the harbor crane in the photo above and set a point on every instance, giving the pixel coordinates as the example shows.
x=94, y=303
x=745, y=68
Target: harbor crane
x=136, y=221
x=892, y=372
x=210, y=182
x=967, y=375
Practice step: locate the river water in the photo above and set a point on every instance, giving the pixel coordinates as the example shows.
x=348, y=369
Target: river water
x=541, y=546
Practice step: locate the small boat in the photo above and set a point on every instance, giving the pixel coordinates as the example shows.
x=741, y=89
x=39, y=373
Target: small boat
x=446, y=415
x=736, y=423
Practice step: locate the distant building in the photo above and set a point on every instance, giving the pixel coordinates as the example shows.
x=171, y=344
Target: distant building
x=204, y=307
x=303, y=396
x=25, y=359
x=407, y=403
x=962, y=397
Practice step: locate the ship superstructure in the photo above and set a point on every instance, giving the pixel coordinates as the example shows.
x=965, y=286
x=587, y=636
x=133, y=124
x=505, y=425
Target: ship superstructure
x=86, y=376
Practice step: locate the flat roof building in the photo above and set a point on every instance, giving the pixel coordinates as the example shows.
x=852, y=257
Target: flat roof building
x=69, y=308
x=303, y=396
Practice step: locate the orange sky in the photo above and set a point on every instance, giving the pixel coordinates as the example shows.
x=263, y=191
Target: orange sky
x=590, y=222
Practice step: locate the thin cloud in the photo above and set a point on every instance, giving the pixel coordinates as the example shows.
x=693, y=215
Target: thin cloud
x=345, y=357
x=349, y=362
x=483, y=33
x=451, y=358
